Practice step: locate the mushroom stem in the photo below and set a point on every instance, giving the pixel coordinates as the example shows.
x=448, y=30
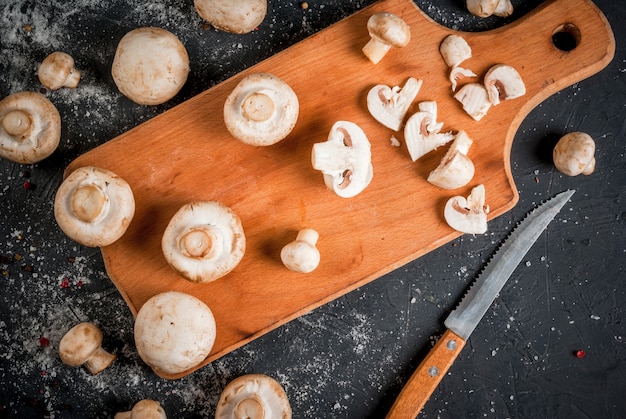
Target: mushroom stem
x=89, y=203
x=99, y=361
x=200, y=243
x=250, y=408
x=258, y=107
x=375, y=50
x=308, y=235
x=17, y=123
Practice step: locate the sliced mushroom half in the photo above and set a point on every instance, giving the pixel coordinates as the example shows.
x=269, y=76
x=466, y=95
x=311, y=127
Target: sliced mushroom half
x=94, y=206
x=30, y=127
x=475, y=100
x=422, y=131
x=261, y=110
x=390, y=105
x=456, y=169
x=345, y=159
x=253, y=396
x=468, y=215
x=503, y=82
x=204, y=241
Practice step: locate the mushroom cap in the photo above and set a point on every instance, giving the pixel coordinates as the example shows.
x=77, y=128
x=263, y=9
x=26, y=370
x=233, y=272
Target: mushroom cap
x=454, y=49
x=30, y=127
x=301, y=255
x=57, y=70
x=389, y=28
x=574, y=154
x=204, y=241
x=150, y=65
x=253, y=396
x=80, y=343
x=236, y=16
x=261, y=110
x=94, y=206
x=174, y=332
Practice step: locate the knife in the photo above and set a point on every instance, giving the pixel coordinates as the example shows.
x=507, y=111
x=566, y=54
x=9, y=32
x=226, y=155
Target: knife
x=463, y=319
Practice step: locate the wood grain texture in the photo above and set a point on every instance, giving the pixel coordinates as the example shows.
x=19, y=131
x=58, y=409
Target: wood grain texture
x=186, y=154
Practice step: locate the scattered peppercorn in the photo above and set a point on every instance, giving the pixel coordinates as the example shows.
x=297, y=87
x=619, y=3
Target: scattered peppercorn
x=304, y=5
x=43, y=341
x=65, y=283
x=580, y=354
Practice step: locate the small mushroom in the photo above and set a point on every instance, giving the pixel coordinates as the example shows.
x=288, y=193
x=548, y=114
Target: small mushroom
x=57, y=70
x=94, y=206
x=574, y=154
x=253, y=396
x=468, y=215
x=454, y=49
x=486, y=8
x=204, y=241
x=386, y=30
x=235, y=16
x=389, y=105
x=30, y=127
x=503, y=82
x=345, y=159
x=422, y=131
x=455, y=169
x=150, y=65
x=144, y=409
x=174, y=332
x=301, y=255
x=82, y=345
x=475, y=100
x=261, y=110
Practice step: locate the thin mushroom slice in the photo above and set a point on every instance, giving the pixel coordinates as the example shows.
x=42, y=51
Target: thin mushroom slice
x=253, y=396
x=204, y=241
x=30, y=127
x=458, y=73
x=475, y=100
x=456, y=169
x=503, y=82
x=422, y=131
x=390, y=105
x=454, y=49
x=94, y=206
x=468, y=215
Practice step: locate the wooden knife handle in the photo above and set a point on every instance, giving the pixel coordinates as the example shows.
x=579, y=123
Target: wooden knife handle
x=426, y=378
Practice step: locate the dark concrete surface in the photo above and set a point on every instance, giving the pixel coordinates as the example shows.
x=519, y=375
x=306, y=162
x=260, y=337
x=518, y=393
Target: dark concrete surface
x=349, y=358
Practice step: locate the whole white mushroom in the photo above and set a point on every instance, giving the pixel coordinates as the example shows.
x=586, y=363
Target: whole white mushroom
x=574, y=154
x=235, y=16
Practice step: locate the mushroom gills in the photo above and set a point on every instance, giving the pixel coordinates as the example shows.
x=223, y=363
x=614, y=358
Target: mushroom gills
x=503, y=82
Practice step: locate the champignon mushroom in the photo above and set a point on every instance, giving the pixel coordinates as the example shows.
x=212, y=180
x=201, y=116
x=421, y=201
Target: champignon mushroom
x=150, y=65
x=455, y=169
x=261, y=110
x=345, y=159
x=486, y=8
x=30, y=127
x=235, y=16
x=503, y=82
x=504, y=8
x=253, y=396
x=174, y=332
x=574, y=154
x=57, y=70
x=468, y=215
x=422, y=131
x=389, y=105
x=94, y=206
x=454, y=49
x=204, y=241
x=82, y=345
x=301, y=255
x=386, y=30
x=475, y=100
x=144, y=409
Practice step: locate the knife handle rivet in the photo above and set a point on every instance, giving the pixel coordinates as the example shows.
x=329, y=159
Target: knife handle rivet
x=433, y=371
x=451, y=345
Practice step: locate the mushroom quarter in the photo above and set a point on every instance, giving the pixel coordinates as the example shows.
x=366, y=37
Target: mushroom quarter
x=235, y=16
x=30, y=127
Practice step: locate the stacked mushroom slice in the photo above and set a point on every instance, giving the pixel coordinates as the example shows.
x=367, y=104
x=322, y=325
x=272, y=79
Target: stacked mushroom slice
x=253, y=396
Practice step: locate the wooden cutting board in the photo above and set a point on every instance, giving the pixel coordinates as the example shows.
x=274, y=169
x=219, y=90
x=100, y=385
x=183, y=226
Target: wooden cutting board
x=186, y=154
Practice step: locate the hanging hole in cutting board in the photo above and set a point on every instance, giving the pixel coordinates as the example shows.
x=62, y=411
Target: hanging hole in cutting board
x=566, y=37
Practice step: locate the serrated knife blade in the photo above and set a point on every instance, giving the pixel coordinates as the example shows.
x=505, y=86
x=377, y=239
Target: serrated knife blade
x=465, y=317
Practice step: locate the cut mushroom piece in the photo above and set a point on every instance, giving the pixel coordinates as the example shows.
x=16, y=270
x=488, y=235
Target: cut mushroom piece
x=390, y=105
x=503, y=82
x=455, y=169
x=458, y=73
x=94, y=206
x=174, y=332
x=454, y=49
x=475, y=100
x=301, y=255
x=504, y=8
x=422, y=131
x=574, y=154
x=30, y=127
x=144, y=409
x=482, y=8
x=204, y=241
x=253, y=396
x=57, y=70
x=82, y=345
x=386, y=30
x=235, y=16
x=345, y=159
x=150, y=65
x=261, y=110
x=468, y=215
